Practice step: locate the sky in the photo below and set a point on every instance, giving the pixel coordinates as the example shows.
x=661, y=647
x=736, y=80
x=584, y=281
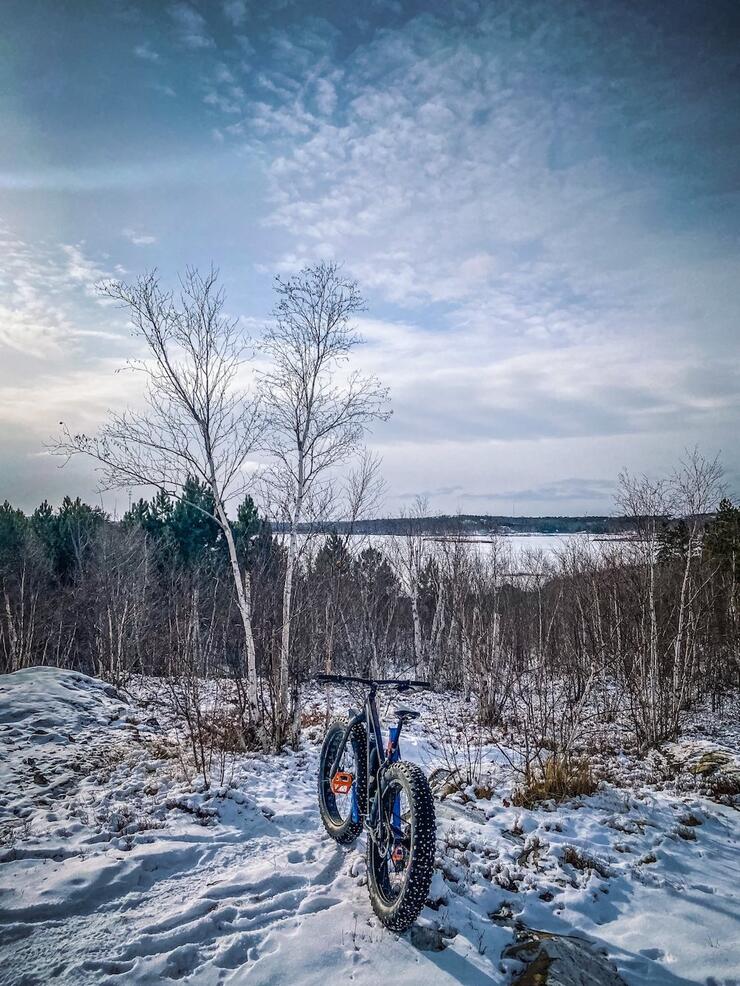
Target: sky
x=539, y=200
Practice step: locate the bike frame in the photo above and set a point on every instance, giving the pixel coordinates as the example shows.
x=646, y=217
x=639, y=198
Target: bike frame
x=379, y=757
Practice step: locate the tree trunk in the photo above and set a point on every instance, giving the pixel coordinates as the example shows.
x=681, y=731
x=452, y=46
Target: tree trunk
x=243, y=587
x=418, y=639
x=283, y=671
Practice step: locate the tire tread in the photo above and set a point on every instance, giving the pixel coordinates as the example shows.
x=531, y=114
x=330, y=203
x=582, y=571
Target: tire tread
x=347, y=833
x=409, y=904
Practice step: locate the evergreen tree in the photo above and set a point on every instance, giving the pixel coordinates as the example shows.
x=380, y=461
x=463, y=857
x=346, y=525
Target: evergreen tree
x=673, y=540
x=13, y=529
x=333, y=558
x=66, y=535
x=248, y=528
x=722, y=537
x=194, y=531
x=152, y=516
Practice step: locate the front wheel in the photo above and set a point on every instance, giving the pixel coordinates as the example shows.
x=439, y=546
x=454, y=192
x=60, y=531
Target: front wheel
x=335, y=808
x=400, y=861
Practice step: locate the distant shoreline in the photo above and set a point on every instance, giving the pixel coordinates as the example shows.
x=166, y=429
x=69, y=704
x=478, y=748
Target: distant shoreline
x=475, y=525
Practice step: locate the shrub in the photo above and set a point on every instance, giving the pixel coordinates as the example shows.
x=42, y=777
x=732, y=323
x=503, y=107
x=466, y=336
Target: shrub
x=557, y=779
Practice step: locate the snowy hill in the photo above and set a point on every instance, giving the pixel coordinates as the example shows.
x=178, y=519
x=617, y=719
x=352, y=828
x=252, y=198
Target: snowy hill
x=117, y=866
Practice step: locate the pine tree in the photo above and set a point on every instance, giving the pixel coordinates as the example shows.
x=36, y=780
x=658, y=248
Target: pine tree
x=67, y=534
x=248, y=529
x=13, y=530
x=673, y=540
x=333, y=558
x=192, y=525
x=722, y=537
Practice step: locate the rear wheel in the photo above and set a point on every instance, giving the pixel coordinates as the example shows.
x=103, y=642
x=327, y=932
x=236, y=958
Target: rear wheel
x=401, y=862
x=336, y=809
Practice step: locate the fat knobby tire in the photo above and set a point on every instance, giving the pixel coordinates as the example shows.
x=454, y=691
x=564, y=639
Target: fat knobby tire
x=342, y=831
x=403, y=911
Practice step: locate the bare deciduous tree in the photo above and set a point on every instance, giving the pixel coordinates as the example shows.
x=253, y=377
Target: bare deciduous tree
x=410, y=557
x=666, y=648
x=317, y=415
x=197, y=421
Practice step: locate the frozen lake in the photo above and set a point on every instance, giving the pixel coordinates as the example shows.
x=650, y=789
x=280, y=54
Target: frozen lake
x=514, y=548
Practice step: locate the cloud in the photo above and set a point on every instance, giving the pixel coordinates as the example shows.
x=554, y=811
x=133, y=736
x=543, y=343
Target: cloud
x=164, y=90
x=145, y=52
x=222, y=90
x=235, y=11
x=528, y=204
x=225, y=103
x=75, y=394
x=138, y=239
x=81, y=269
x=460, y=387
x=34, y=328
x=48, y=300
x=190, y=25
x=433, y=494
x=565, y=490
x=540, y=207
x=458, y=172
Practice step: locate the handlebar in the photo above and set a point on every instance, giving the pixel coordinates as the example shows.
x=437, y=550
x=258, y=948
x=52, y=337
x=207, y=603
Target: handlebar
x=402, y=684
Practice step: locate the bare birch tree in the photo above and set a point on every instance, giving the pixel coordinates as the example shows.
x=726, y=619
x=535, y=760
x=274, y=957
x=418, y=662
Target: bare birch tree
x=197, y=418
x=317, y=415
x=410, y=557
x=666, y=652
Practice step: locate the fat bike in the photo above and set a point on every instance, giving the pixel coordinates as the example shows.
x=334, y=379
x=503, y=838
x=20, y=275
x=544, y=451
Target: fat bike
x=364, y=785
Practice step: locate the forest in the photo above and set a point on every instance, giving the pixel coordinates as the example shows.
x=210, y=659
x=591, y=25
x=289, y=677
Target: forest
x=647, y=628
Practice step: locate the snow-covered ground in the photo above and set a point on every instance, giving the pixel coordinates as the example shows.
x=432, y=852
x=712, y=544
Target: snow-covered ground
x=116, y=868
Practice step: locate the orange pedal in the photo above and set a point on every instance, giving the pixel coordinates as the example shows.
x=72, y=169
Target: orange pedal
x=341, y=782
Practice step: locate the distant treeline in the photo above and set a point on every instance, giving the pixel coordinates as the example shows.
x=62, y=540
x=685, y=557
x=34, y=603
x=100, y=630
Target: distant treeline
x=470, y=524
x=647, y=627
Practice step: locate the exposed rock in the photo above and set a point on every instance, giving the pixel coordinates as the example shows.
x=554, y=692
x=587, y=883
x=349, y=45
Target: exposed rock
x=427, y=938
x=559, y=960
x=708, y=763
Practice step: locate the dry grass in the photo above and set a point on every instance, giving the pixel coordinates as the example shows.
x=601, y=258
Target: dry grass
x=558, y=779
x=314, y=717
x=225, y=731
x=582, y=861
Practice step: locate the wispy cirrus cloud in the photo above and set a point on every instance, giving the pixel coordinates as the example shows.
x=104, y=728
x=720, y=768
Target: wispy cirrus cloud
x=146, y=52
x=48, y=299
x=138, y=238
x=190, y=26
x=235, y=11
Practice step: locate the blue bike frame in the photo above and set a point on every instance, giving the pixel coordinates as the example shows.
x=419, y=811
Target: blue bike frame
x=379, y=758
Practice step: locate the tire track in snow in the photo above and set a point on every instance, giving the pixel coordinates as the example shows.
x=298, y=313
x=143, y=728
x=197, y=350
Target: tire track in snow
x=226, y=924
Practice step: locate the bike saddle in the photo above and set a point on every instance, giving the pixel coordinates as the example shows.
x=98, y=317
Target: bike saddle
x=405, y=714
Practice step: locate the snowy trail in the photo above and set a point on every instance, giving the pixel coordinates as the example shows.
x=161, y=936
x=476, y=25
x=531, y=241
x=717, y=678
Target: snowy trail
x=258, y=894
x=116, y=870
